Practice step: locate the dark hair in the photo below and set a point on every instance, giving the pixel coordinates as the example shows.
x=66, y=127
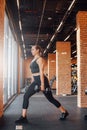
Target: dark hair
x=40, y=50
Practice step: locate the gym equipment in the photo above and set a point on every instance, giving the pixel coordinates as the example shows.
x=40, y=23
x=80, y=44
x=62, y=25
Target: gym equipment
x=52, y=81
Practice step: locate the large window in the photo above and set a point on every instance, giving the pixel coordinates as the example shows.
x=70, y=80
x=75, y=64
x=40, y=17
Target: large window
x=10, y=62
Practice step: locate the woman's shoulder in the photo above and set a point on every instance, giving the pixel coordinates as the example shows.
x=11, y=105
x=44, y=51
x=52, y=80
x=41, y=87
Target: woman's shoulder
x=41, y=59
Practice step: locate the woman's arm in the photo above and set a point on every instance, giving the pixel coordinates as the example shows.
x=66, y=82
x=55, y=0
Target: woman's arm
x=41, y=67
x=32, y=78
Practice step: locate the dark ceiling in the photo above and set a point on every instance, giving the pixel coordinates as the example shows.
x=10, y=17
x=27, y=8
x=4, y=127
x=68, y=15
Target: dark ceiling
x=44, y=22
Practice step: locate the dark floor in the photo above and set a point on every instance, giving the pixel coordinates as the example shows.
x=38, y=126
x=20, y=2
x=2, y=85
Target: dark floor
x=42, y=115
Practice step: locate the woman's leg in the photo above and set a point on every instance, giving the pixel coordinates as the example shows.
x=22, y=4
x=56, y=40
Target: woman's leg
x=49, y=96
x=33, y=88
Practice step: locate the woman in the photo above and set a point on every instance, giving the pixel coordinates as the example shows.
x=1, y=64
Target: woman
x=39, y=83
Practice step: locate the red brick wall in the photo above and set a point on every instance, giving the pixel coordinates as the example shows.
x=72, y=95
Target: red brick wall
x=2, y=9
x=81, y=20
x=27, y=72
x=46, y=66
x=63, y=68
x=52, y=67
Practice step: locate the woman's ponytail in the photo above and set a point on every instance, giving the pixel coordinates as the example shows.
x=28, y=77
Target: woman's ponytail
x=40, y=50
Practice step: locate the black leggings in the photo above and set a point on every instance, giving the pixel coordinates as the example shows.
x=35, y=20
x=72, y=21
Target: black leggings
x=35, y=87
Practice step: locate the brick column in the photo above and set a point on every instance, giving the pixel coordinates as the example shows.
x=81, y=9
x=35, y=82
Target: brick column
x=63, y=68
x=27, y=71
x=46, y=66
x=82, y=57
x=52, y=67
x=2, y=9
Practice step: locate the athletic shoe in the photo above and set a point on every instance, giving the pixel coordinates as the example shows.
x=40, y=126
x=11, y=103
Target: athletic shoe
x=64, y=115
x=21, y=120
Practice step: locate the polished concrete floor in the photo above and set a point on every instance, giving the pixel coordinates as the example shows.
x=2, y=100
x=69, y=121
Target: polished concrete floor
x=42, y=115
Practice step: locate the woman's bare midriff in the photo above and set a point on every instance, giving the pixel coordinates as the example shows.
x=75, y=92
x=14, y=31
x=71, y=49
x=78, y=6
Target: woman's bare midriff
x=35, y=74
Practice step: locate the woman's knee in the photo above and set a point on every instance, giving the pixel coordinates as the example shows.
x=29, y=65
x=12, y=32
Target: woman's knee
x=26, y=96
x=53, y=100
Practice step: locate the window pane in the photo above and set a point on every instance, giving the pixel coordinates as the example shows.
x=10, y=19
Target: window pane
x=10, y=62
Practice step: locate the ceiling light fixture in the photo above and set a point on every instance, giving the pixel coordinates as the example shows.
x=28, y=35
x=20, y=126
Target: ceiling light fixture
x=23, y=45
x=24, y=51
x=18, y=4
x=58, y=29
x=52, y=38
x=42, y=40
x=64, y=18
x=44, y=5
x=71, y=5
x=44, y=51
x=20, y=25
x=57, y=11
x=22, y=38
x=54, y=51
x=25, y=55
x=48, y=46
x=74, y=52
x=75, y=29
x=49, y=18
x=75, y=56
x=67, y=38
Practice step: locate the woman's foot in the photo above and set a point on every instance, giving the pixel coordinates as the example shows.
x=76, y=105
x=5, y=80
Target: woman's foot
x=21, y=120
x=64, y=115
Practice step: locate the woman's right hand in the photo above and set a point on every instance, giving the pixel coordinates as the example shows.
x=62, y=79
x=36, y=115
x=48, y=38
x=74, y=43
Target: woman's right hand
x=42, y=88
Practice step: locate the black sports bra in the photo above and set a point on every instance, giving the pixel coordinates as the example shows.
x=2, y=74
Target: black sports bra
x=34, y=66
